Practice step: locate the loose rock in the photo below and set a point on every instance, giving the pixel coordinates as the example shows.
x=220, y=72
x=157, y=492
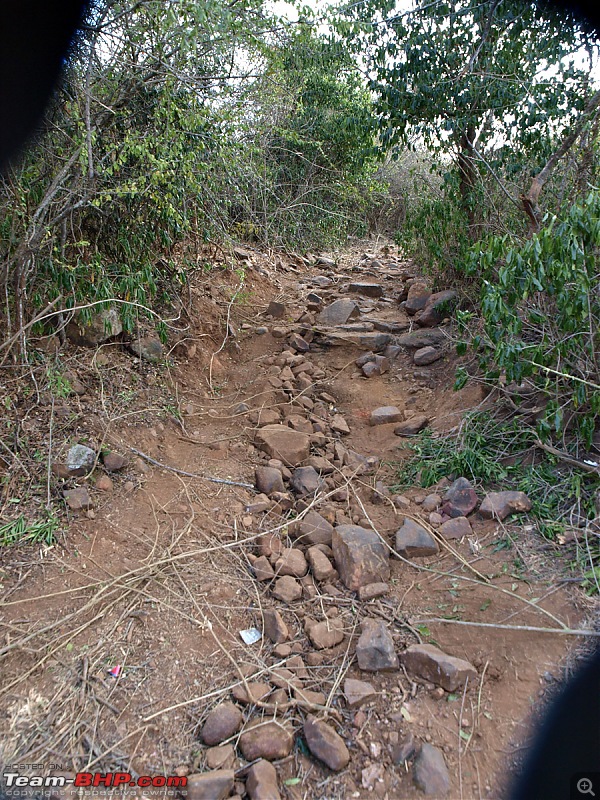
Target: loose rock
x=222, y=722
x=269, y=740
x=113, y=462
x=456, y=528
x=418, y=295
x=320, y=565
x=261, y=781
x=460, y=499
x=279, y=441
x=215, y=785
x=306, y=480
x=78, y=499
x=414, y=541
x=80, y=460
x=291, y=562
x=338, y=312
x=386, y=414
x=325, y=744
x=275, y=628
x=500, y=505
x=312, y=529
x=326, y=634
x=412, y=426
x=357, y=693
x=375, y=647
x=426, y=355
x=360, y=556
x=103, y=325
x=287, y=589
x=430, y=773
x=432, y=664
x=366, y=289
x=147, y=347
x=268, y=480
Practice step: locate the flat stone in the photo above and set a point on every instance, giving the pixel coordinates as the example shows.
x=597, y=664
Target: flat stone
x=412, y=425
x=321, y=464
x=426, y=355
x=80, y=460
x=324, y=261
x=258, y=504
x=264, y=416
x=432, y=664
x=339, y=425
x=268, y=480
x=414, y=541
x=326, y=634
x=456, y=528
x=279, y=441
x=321, y=567
x=306, y=480
x=291, y=562
x=274, y=626
x=104, y=484
x=287, y=589
x=357, y=693
x=312, y=529
x=269, y=740
x=221, y=723
x=215, y=785
x=78, y=499
x=113, y=462
x=360, y=556
x=325, y=744
x=372, y=590
x=148, y=348
x=460, y=499
x=339, y=312
x=424, y=338
x=366, y=289
x=375, y=647
x=499, y=505
x=430, y=773
x=322, y=281
x=261, y=781
x=385, y=414
x=431, y=503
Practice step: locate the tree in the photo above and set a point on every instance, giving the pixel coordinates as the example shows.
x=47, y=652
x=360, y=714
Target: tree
x=491, y=83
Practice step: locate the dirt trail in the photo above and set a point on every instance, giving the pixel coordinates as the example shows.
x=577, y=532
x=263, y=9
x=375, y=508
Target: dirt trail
x=159, y=579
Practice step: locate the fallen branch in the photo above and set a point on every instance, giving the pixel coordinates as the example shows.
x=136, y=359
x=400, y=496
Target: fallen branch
x=524, y=628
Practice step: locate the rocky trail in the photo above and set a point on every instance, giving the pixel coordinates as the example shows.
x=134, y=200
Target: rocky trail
x=241, y=598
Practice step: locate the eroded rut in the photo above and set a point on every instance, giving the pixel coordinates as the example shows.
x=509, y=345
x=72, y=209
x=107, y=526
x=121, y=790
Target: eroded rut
x=123, y=650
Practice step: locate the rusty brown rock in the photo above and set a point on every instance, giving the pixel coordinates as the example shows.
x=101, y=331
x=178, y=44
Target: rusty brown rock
x=275, y=628
x=460, y=499
x=499, y=505
x=360, y=556
x=291, y=562
x=312, y=529
x=261, y=781
x=320, y=565
x=456, y=528
x=326, y=634
x=269, y=740
x=432, y=664
x=222, y=722
x=357, y=693
x=287, y=589
x=325, y=744
x=215, y=785
x=279, y=441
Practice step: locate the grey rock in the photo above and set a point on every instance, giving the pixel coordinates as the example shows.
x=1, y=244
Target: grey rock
x=426, y=355
x=298, y=343
x=338, y=312
x=424, y=338
x=147, y=347
x=439, y=306
x=103, y=325
x=80, y=460
x=385, y=414
x=275, y=310
x=404, y=750
x=366, y=289
x=414, y=541
x=430, y=773
x=412, y=425
x=306, y=480
x=375, y=647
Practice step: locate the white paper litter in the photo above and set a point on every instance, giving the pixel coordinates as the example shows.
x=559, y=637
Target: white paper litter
x=251, y=635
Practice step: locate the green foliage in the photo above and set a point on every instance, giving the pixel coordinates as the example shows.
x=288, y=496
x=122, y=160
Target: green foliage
x=21, y=531
x=490, y=450
x=541, y=307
